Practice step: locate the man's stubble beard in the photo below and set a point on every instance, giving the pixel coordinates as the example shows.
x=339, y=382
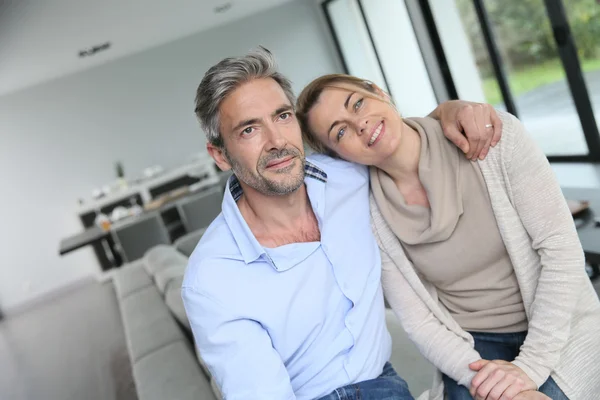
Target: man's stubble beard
x=267, y=186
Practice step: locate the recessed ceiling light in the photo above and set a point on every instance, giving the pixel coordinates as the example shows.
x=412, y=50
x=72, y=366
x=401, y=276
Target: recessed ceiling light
x=223, y=8
x=94, y=49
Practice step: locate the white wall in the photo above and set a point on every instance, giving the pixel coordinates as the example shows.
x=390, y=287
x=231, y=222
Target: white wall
x=60, y=139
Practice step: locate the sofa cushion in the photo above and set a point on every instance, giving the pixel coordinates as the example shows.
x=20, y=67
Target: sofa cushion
x=203, y=364
x=213, y=384
x=186, y=244
x=162, y=256
x=148, y=323
x=131, y=278
x=164, y=276
x=406, y=358
x=215, y=388
x=171, y=373
x=174, y=302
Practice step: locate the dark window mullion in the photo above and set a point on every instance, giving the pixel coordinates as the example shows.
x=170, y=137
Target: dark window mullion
x=438, y=48
x=570, y=61
x=495, y=56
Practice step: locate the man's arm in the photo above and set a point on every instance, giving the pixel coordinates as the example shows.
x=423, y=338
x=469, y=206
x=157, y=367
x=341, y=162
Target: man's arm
x=472, y=127
x=238, y=351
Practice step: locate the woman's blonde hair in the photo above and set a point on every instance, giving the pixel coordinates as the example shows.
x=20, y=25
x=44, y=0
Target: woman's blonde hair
x=310, y=96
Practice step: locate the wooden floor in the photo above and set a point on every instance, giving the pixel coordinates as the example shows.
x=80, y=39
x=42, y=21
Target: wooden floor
x=71, y=348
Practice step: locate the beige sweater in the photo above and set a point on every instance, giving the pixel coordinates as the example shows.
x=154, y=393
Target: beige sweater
x=455, y=243
x=537, y=228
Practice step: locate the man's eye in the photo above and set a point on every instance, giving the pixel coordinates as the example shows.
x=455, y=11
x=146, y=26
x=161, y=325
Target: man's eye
x=358, y=104
x=247, y=131
x=285, y=116
x=341, y=133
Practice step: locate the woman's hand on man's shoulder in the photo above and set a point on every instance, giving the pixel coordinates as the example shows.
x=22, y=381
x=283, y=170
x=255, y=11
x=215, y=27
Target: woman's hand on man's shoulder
x=472, y=127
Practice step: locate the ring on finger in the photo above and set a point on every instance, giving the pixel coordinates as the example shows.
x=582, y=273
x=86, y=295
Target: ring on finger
x=488, y=126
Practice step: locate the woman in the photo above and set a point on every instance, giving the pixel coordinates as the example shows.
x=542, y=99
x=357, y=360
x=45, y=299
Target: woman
x=481, y=260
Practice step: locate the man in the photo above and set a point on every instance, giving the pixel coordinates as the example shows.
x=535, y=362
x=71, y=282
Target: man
x=283, y=292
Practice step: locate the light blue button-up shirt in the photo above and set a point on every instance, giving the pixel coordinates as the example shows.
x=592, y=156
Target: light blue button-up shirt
x=299, y=320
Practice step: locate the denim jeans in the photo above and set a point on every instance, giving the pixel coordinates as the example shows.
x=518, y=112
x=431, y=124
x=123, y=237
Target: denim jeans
x=499, y=346
x=388, y=386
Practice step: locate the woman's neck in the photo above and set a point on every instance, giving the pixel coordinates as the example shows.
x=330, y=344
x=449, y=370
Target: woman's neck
x=403, y=164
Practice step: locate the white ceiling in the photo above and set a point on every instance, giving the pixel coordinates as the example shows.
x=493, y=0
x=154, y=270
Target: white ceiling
x=41, y=39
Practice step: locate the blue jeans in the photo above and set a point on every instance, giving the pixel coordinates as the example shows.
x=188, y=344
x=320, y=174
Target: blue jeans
x=388, y=386
x=499, y=346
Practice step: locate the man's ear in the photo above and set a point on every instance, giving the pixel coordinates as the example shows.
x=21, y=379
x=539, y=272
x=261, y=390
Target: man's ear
x=218, y=154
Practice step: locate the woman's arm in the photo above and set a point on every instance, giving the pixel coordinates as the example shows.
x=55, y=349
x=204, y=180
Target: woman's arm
x=449, y=352
x=545, y=215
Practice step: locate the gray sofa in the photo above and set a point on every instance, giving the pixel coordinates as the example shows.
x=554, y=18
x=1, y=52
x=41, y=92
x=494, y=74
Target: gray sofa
x=160, y=344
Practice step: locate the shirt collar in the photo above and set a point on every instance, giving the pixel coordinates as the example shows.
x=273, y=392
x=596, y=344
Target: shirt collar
x=249, y=247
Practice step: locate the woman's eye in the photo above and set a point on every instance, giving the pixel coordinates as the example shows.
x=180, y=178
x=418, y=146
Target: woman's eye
x=341, y=133
x=358, y=104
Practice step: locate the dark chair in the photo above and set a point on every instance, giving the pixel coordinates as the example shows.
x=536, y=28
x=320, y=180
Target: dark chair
x=134, y=237
x=198, y=211
x=186, y=244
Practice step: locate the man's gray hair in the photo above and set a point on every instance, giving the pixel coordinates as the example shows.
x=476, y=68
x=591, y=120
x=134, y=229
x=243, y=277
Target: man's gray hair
x=224, y=77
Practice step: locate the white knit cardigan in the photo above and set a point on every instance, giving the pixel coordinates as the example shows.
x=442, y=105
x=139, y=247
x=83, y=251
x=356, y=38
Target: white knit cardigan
x=539, y=234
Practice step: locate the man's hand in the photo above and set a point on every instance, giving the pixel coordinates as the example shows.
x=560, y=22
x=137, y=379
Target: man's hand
x=478, y=122
x=499, y=380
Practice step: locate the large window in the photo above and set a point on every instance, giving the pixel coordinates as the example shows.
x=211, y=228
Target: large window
x=528, y=63
x=533, y=58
